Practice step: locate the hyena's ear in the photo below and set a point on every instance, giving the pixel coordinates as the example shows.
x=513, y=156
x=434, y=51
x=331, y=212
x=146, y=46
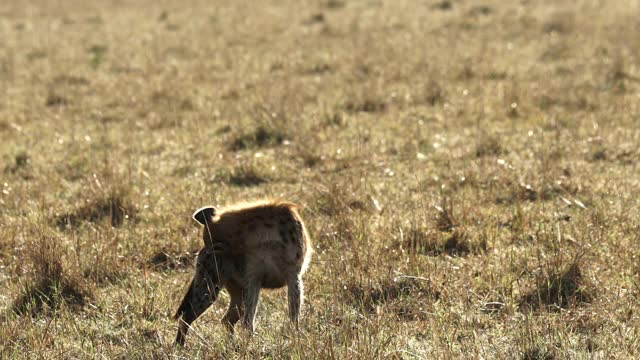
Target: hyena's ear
x=204, y=214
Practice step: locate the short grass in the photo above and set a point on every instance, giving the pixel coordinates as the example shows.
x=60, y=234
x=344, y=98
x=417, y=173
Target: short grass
x=468, y=171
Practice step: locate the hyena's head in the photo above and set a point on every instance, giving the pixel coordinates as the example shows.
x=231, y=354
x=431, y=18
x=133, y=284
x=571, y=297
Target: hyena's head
x=204, y=216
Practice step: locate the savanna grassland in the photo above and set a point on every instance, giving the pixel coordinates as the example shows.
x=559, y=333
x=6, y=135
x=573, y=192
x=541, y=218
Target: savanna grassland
x=468, y=171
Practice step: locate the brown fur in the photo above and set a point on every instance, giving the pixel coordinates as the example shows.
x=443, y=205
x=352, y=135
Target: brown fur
x=249, y=246
x=249, y=228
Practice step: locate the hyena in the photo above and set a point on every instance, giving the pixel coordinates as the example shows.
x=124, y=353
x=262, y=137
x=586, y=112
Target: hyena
x=247, y=247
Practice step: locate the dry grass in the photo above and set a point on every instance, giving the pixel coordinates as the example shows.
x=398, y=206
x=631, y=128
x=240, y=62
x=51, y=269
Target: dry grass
x=468, y=172
x=562, y=287
x=50, y=285
x=113, y=205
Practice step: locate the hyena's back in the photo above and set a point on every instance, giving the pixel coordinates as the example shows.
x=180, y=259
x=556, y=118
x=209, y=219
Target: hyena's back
x=270, y=234
x=247, y=247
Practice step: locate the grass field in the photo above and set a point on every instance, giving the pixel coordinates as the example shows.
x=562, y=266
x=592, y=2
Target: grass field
x=468, y=171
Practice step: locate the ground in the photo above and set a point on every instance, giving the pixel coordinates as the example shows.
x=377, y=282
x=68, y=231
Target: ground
x=468, y=171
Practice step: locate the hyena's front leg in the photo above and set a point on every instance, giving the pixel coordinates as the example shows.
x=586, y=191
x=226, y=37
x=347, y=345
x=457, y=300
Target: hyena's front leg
x=201, y=294
x=295, y=292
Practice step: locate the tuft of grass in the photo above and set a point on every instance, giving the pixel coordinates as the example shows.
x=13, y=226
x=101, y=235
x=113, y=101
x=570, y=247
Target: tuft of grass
x=483, y=10
x=528, y=148
x=445, y=218
x=542, y=192
x=70, y=80
x=367, y=104
x=338, y=202
x=50, y=285
x=100, y=258
x=171, y=100
x=561, y=23
x=433, y=243
x=260, y=137
x=163, y=260
x=318, y=68
x=444, y=5
x=333, y=119
x=371, y=297
x=334, y=4
x=617, y=76
x=434, y=94
x=559, y=285
x=488, y=146
x=55, y=100
x=537, y=354
x=21, y=165
x=104, y=272
x=114, y=205
x=247, y=175
x=97, y=54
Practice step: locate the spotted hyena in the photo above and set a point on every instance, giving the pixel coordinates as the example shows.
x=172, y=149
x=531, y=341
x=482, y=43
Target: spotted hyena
x=247, y=247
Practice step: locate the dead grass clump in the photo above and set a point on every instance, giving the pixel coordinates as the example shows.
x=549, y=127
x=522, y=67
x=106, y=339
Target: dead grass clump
x=319, y=68
x=70, y=80
x=20, y=166
x=483, y=10
x=618, y=77
x=334, y=4
x=96, y=55
x=368, y=103
x=163, y=260
x=546, y=192
x=337, y=201
x=433, y=243
x=315, y=18
x=171, y=100
x=342, y=207
x=100, y=258
x=488, y=146
x=537, y=354
x=527, y=192
x=466, y=71
x=247, y=175
x=559, y=23
x=101, y=274
x=559, y=286
x=573, y=102
x=115, y=206
x=598, y=154
x=309, y=156
x=375, y=297
x=444, y=5
x=445, y=219
x=432, y=94
x=75, y=167
x=333, y=119
x=55, y=100
x=262, y=136
x=50, y=285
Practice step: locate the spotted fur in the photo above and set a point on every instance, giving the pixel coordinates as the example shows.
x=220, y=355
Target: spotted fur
x=248, y=247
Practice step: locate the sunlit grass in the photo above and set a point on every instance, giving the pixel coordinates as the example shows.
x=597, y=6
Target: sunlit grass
x=468, y=173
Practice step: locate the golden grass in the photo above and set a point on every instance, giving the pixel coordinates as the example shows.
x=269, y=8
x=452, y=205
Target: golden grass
x=468, y=172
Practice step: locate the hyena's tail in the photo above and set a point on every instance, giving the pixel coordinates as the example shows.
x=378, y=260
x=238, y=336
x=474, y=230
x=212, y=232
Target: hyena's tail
x=184, y=306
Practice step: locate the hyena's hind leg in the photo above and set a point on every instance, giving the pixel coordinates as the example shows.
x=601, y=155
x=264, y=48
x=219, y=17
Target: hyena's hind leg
x=250, y=296
x=295, y=294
